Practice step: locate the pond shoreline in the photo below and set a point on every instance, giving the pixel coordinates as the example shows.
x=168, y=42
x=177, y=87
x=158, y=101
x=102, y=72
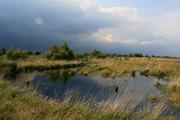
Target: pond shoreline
x=42, y=78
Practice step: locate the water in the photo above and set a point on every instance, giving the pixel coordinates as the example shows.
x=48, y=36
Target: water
x=99, y=89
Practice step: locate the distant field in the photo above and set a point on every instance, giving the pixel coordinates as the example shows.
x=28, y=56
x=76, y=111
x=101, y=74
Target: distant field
x=111, y=67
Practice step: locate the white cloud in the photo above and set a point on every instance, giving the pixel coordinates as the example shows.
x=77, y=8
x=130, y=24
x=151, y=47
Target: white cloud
x=140, y=42
x=150, y=42
x=129, y=41
x=82, y=4
x=118, y=10
x=128, y=13
x=169, y=26
x=106, y=38
x=38, y=21
x=109, y=36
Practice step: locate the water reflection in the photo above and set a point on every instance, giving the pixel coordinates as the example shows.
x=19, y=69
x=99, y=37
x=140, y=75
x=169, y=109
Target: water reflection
x=138, y=88
x=56, y=83
x=63, y=75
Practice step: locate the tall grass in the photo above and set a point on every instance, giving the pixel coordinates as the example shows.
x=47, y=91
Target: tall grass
x=175, y=82
x=129, y=102
x=174, y=89
x=124, y=106
x=30, y=107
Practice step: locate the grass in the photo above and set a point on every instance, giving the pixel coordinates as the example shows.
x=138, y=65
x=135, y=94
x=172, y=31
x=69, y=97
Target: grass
x=174, y=89
x=160, y=67
x=20, y=103
x=108, y=67
x=153, y=98
x=16, y=104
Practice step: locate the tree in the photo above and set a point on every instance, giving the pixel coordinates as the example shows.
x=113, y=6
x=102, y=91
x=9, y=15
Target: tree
x=135, y=55
x=66, y=52
x=53, y=52
x=62, y=52
x=16, y=54
x=97, y=53
x=3, y=51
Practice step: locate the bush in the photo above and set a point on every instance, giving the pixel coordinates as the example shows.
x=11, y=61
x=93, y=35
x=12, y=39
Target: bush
x=9, y=70
x=135, y=55
x=81, y=55
x=97, y=54
x=38, y=53
x=16, y=54
x=145, y=73
x=3, y=51
x=29, y=52
x=62, y=52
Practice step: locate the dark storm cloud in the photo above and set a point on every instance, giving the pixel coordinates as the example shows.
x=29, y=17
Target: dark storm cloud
x=18, y=27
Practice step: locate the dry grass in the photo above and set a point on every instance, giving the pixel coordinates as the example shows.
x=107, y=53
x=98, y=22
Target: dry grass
x=119, y=66
x=18, y=105
x=174, y=82
x=113, y=66
x=174, y=89
x=38, y=61
x=30, y=106
x=128, y=103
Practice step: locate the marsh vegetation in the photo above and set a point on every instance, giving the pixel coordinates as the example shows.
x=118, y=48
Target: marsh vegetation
x=40, y=85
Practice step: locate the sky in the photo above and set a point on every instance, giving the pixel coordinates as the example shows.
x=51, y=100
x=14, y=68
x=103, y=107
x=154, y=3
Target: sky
x=112, y=26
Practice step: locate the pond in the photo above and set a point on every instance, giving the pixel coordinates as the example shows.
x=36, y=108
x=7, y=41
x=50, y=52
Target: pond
x=140, y=89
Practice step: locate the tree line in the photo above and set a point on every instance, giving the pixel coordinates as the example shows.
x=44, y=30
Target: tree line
x=63, y=52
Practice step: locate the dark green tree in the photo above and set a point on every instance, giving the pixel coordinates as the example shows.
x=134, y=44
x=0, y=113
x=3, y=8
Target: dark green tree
x=97, y=53
x=62, y=52
x=16, y=54
x=3, y=51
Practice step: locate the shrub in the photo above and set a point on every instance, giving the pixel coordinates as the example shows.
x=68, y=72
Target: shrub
x=174, y=87
x=157, y=84
x=3, y=51
x=160, y=74
x=62, y=52
x=135, y=55
x=9, y=70
x=133, y=73
x=145, y=73
x=16, y=54
x=82, y=55
x=29, y=52
x=37, y=53
x=97, y=53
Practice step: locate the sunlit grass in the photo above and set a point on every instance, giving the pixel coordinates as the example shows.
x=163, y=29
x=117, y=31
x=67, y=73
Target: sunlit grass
x=30, y=106
x=174, y=89
x=15, y=104
x=111, y=67
x=159, y=67
x=26, y=105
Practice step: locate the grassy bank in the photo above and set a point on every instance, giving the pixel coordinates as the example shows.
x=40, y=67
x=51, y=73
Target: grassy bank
x=19, y=104
x=107, y=67
x=112, y=67
x=173, y=88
